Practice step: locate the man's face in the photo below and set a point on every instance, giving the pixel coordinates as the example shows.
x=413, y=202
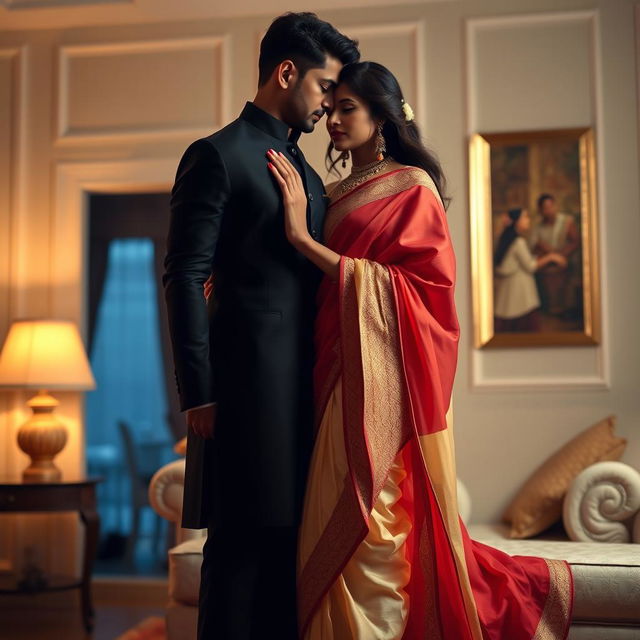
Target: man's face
x=310, y=98
x=549, y=209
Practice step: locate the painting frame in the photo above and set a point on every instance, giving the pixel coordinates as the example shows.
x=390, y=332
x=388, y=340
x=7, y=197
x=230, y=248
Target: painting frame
x=482, y=237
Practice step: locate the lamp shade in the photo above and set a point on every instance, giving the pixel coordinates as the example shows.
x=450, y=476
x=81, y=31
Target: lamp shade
x=45, y=354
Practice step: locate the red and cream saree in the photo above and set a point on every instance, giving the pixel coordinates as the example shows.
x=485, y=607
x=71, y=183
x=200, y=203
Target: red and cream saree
x=383, y=554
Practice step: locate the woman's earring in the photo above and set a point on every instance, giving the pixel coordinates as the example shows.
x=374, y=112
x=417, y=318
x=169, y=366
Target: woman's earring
x=381, y=145
x=344, y=156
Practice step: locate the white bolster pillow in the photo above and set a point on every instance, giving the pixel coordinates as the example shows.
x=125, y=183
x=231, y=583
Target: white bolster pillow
x=464, y=502
x=601, y=503
x=166, y=490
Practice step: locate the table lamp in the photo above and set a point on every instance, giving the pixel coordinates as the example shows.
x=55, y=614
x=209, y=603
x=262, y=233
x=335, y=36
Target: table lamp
x=44, y=355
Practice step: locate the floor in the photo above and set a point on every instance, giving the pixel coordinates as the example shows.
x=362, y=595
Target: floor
x=125, y=592
x=145, y=561
x=46, y=619
x=49, y=624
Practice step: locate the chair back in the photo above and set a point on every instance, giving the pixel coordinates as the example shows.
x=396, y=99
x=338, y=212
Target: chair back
x=129, y=449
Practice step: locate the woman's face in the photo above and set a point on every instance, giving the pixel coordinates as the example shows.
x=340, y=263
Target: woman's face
x=349, y=122
x=523, y=223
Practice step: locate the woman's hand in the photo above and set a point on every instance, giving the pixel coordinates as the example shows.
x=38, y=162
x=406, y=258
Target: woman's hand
x=294, y=197
x=558, y=258
x=295, y=216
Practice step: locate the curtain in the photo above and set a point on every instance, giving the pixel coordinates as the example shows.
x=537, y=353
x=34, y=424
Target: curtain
x=133, y=216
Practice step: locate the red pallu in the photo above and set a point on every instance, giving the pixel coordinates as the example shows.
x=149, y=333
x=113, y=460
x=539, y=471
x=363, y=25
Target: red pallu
x=388, y=329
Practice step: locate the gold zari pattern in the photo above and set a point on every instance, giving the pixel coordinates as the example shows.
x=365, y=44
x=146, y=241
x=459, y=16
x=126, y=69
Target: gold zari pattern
x=381, y=186
x=385, y=418
x=556, y=609
x=360, y=175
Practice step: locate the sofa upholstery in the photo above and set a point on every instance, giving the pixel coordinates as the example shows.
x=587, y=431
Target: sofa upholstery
x=607, y=576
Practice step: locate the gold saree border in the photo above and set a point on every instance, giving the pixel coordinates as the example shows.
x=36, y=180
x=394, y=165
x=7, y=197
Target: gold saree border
x=347, y=525
x=375, y=420
x=556, y=616
x=353, y=388
x=386, y=421
x=381, y=186
x=328, y=558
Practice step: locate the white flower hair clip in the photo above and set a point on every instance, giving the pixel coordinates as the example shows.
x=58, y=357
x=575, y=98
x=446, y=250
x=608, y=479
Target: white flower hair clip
x=408, y=111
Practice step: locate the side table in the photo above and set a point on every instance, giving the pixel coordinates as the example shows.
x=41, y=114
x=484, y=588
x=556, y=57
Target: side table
x=68, y=495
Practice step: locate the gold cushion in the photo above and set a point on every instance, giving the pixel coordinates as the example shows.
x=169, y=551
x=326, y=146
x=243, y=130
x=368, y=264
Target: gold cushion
x=538, y=504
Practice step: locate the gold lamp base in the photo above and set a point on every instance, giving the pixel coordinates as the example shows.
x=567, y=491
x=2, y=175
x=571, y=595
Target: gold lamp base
x=42, y=437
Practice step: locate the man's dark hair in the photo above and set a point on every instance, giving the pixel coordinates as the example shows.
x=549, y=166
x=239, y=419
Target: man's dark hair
x=543, y=198
x=305, y=40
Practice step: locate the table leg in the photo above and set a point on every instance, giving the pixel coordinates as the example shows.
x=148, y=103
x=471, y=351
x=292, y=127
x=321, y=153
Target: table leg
x=91, y=520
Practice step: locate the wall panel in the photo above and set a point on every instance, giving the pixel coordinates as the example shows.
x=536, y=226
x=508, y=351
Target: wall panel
x=142, y=89
x=536, y=71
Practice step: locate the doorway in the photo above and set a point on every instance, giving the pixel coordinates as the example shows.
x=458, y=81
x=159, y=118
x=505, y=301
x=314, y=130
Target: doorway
x=132, y=418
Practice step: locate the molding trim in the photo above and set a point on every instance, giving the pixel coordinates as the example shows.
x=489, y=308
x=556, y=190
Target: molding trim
x=73, y=181
x=637, y=39
x=10, y=219
x=66, y=53
x=473, y=25
x=535, y=385
x=11, y=407
x=602, y=377
x=11, y=5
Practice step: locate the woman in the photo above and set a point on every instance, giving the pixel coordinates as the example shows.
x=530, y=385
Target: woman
x=516, y=296
x=382, y=552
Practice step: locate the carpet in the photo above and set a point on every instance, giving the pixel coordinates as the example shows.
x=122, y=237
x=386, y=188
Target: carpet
x=153, y=628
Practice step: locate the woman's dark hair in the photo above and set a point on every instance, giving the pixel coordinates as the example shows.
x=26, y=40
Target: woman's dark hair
x=306, y=40
x=507, y=237
x=378, y=87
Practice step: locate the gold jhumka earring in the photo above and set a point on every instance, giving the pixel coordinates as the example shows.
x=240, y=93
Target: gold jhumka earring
x=381, y=145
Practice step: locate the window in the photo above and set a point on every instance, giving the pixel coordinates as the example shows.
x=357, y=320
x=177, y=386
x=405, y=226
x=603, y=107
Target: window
x=128, y=437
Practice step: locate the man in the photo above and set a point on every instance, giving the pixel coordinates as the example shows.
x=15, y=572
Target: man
x=244, y=360
x=555, y=232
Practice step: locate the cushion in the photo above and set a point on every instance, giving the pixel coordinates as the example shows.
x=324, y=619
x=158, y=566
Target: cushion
x=185, y=561
x=538, y=504
x=601, y=503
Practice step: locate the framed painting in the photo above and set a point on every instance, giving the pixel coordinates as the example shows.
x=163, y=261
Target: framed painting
x=534, y=238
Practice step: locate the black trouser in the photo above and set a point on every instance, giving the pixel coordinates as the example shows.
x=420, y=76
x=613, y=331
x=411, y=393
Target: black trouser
x=248, y=584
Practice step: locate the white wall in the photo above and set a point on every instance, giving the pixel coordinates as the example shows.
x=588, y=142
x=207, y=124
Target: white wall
x=111, y=108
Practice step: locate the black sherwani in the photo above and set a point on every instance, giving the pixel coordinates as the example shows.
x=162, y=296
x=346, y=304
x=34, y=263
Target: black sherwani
x=250, y=349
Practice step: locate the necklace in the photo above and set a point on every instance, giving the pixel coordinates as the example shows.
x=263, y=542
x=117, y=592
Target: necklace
x=361, y=174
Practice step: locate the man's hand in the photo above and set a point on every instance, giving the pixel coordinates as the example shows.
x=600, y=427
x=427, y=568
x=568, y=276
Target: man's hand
x=208, y=287
x=202, y=420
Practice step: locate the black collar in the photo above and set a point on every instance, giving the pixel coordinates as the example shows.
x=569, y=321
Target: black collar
x=267, y=123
